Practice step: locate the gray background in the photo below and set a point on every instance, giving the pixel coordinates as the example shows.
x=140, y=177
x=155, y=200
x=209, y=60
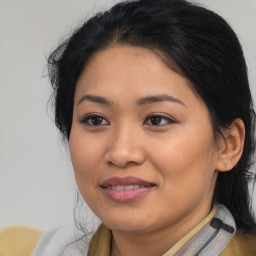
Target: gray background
x=37, y=186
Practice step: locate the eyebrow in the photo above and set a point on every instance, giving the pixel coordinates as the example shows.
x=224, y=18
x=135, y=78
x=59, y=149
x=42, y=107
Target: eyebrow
x=159, y=98
x=139, y=102
x=96, y=99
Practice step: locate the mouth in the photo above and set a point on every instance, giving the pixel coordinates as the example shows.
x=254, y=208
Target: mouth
x=129, y=187
x=125, y=189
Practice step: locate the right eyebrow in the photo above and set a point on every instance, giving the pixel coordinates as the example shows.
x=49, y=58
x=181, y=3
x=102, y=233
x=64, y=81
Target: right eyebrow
x=159, y=98
x=96, y=99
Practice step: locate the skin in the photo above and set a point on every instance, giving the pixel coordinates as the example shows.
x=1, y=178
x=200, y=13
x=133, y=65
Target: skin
x=179, y=155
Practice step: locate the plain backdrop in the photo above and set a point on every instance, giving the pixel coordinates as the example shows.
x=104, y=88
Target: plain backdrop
x=37, y=186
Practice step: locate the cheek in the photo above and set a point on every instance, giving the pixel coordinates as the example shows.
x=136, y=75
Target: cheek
x=186, y=163
x=85, y=155
x=183, y=151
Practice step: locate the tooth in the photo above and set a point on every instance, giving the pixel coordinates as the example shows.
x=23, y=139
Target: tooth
x=128, y=187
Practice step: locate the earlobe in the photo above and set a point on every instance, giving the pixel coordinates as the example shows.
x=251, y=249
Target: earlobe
x=231, y=148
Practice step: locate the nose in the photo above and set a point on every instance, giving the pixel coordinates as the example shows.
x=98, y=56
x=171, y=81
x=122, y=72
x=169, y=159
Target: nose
x=125, y=148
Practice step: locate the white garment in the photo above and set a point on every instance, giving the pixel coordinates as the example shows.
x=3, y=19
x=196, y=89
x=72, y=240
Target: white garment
x=63, y=241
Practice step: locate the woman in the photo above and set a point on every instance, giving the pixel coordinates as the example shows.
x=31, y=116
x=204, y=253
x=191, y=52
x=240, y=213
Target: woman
x=154, y=101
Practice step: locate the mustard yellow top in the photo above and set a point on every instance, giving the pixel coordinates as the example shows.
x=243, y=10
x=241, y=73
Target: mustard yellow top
x=18, y=240
x=240, y=245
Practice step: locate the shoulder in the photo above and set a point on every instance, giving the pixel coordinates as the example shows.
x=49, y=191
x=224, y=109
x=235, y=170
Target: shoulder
x=241, y=244
x=62, y=241
x=18, y=240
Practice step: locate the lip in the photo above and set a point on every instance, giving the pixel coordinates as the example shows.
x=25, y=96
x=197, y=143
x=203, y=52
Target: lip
x=126, y=195
x=125, y=181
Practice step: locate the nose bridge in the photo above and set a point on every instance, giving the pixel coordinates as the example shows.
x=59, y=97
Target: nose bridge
x=124, y=137
x=125, y=145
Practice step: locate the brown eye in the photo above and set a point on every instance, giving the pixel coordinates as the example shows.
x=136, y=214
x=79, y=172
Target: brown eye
x=155, y=120
x=94, y=120
x=158, y=120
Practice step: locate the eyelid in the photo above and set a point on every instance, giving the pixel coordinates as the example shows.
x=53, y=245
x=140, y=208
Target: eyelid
x=162, y=115
x=86, y=117
x=90, y=115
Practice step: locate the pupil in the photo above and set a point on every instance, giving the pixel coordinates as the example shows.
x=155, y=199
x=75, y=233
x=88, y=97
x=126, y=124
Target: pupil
x=96, y=120
x=156, y=120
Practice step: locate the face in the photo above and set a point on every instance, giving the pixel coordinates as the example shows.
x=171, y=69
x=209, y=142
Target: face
x=141, y=143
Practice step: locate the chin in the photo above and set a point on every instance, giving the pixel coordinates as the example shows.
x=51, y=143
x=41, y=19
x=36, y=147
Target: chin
x=127, y=224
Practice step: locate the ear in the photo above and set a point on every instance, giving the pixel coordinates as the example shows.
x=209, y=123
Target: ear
x=230, y=146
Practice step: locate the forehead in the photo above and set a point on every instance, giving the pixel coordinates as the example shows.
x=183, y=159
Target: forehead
x=133, y=71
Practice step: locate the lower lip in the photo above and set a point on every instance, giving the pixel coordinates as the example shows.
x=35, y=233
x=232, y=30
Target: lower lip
x=126, y=195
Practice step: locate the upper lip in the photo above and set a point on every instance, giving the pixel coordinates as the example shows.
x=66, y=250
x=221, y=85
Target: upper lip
x=125, y=181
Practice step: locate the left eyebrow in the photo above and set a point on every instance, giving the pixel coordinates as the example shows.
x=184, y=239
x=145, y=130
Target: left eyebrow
x=96, y=99
x=158, y=98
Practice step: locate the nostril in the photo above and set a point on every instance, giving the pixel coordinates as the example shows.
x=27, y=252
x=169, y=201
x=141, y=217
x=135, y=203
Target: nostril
x=122, y=164
x=110, y=163
x=123, y=157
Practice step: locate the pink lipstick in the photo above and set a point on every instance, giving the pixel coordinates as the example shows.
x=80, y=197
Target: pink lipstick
x=125, y=189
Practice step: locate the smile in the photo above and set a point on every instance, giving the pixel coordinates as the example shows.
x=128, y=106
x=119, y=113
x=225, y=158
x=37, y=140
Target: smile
x=129, y=187
x=125, y=189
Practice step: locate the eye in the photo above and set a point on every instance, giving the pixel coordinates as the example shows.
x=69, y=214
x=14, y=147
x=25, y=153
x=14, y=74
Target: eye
x=158, y=120
x=94, y=120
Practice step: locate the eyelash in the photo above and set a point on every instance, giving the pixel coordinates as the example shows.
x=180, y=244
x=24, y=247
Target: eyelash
x=168, y=120
x=87, y=120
